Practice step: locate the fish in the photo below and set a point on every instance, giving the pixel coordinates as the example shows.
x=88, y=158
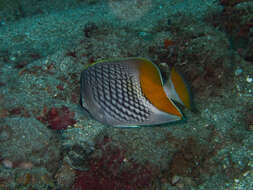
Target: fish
x=130, y=92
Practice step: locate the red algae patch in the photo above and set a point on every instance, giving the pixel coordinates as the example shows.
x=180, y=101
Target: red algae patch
x=58, y=118
x=111, y=170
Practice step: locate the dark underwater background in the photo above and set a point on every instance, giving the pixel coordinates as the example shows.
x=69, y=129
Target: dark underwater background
x=47, y=142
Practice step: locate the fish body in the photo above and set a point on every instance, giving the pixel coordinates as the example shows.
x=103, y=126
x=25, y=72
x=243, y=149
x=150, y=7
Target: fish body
x=129, y=92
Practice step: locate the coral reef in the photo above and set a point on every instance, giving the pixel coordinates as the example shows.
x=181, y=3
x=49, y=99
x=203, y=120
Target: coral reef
x=58, y=118
x=111, y=170
x=41, y=57
x=191, y=161
x=11, y=10
x=231, y=2
x=236, y=20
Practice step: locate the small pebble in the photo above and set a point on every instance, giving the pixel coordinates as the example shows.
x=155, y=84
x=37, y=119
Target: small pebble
x=25, y=165
x=7, y=163
x=180, y=186
x=175, y=179
x=238, y=72
x=249, y=79
x=12, y=58
x=246, y=173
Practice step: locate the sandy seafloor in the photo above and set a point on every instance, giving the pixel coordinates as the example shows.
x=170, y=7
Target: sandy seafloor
x=45, y=45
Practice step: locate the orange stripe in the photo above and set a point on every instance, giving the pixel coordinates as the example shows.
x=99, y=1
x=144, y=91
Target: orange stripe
x=153, y=90
x=181, y=88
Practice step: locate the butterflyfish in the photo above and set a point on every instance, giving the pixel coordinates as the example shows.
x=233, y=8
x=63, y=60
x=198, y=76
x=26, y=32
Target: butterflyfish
x=130, y=92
